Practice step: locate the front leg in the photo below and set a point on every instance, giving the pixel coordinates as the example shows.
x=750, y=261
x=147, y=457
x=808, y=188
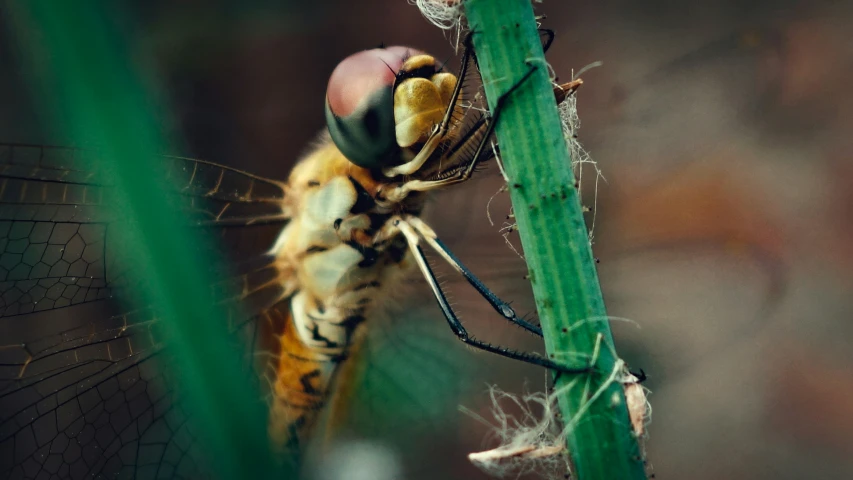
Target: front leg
x=406, y=226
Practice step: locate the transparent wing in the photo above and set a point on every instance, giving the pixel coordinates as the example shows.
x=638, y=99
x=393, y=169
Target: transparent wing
x=85, y=391
x=55, y=230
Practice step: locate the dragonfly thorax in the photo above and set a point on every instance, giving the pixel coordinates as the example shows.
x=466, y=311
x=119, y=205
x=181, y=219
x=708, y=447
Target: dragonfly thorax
x=338, y=255
x=341, y=245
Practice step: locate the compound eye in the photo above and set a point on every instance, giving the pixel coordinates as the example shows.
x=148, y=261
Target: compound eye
x=360, y=107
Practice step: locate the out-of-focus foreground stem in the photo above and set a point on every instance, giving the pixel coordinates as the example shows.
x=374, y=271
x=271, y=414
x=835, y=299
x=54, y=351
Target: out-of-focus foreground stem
x=84, y=80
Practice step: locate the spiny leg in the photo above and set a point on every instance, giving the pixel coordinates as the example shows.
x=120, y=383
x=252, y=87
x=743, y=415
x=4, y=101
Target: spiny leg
x=499, y=305
x=546, y=38
x=456, y=325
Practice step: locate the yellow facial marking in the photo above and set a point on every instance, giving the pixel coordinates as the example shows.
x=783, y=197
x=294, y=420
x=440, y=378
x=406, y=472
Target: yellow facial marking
x=419, y=105
x=417, y=61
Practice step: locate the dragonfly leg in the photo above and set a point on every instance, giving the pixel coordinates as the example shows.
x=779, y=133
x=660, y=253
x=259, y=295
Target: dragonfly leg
x=456, y=326
x=499, y=305
x=546, y=37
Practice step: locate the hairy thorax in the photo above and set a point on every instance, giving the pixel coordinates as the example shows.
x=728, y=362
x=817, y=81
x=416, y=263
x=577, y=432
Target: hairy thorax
x=338, y=253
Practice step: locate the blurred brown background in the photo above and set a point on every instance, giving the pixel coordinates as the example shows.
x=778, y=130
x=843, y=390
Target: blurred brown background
x=724, y=228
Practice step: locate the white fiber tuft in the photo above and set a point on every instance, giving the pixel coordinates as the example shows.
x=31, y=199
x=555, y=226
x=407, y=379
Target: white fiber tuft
x=531, y=439
x=580, y=157
x=531, y=432
x=444, y=14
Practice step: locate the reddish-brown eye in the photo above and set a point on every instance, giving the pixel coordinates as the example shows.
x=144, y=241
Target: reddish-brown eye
x=360, y=106
x=362, y=74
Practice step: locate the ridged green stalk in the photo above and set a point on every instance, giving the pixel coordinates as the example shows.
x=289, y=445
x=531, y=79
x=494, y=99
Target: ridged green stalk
x=556, y=245
x=85, y=81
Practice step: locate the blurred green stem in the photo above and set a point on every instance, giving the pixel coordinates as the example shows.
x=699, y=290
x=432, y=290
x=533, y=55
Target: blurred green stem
x=88, y=84
x=556, y=244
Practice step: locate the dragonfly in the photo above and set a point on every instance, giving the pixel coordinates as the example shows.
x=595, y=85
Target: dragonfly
x=348, y=229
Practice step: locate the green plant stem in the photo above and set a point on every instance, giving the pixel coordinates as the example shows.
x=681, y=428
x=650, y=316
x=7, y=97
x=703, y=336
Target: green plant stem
x=556, y=245
x=87, y=84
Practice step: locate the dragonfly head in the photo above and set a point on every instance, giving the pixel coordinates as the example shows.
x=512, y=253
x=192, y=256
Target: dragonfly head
x=383, y=104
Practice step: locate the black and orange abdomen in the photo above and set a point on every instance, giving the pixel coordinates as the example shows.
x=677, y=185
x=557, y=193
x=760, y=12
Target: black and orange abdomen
x=300, y=379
